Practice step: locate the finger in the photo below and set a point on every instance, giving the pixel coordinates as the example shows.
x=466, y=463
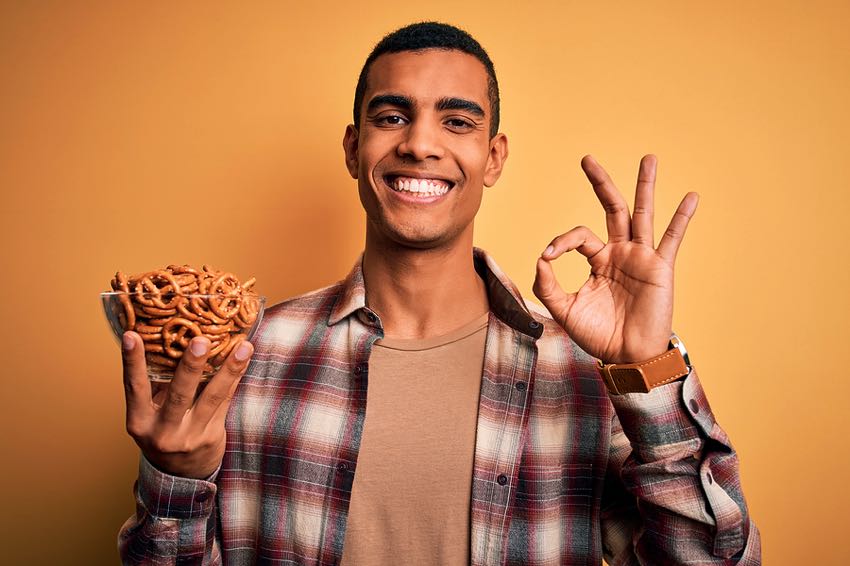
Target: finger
x=549, y=291
x=137, y=388
x=580, y=238
x=616, y=210
x=672, y=238
x=220, y=416
x=642, y=217
x=159, y=390
x=181, y=391
x=219, y=391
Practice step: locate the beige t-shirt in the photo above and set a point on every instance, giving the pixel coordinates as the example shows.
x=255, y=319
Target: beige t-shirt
x=412, y=486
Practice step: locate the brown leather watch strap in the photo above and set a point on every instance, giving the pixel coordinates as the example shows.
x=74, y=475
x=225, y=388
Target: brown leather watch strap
x=642, y=377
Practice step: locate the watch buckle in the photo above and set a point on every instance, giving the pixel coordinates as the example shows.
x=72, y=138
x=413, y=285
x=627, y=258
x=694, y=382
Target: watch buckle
x=621, y=380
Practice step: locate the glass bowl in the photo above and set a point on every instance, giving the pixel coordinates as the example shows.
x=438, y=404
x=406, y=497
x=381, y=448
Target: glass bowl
x=166, y=323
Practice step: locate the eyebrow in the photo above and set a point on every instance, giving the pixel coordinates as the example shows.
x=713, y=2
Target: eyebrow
x=452, y=103
x=446, y=103
x=389, y=100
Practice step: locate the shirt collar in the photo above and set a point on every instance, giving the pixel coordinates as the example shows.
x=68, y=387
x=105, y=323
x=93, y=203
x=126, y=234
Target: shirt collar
x=505, y=300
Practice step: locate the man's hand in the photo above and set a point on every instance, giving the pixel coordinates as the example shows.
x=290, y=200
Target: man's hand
x=624, y=312
x=181, y=432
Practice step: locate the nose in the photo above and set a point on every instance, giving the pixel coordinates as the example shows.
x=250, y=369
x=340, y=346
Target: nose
x=422, y=140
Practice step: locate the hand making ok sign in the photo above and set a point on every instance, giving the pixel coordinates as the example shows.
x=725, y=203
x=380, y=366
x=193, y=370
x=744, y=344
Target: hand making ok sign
x=624, y=311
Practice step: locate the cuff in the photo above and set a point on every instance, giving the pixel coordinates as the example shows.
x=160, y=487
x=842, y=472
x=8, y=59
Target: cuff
x=672, y=413
x=675, y=421
x=172, y=497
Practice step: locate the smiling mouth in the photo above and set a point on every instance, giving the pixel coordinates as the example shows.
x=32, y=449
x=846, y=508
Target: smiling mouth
x=419, y=187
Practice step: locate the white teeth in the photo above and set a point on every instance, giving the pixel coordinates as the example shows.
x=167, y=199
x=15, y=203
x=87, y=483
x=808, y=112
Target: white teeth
x=423, y=187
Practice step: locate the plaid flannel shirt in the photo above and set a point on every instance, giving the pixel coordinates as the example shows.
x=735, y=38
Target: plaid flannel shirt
x=563, y=472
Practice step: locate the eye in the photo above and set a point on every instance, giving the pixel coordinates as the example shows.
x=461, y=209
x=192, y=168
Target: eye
x=459, y=124
x=390, y=120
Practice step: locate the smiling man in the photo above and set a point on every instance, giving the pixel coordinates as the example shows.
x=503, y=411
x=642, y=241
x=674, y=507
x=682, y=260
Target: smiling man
x=421, y=410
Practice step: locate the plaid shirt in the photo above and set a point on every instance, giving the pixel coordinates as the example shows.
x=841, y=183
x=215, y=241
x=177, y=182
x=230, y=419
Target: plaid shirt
x=563, y=472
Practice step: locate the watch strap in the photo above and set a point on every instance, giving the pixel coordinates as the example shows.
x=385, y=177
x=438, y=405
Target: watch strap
x=642, y=377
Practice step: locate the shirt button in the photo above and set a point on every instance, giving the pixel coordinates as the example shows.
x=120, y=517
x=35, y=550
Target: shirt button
x=534, y=325
x=342, y=467
x=359, y=368
x=521, y=386
x=694, y=406
x=502, y=479
x=203, y=496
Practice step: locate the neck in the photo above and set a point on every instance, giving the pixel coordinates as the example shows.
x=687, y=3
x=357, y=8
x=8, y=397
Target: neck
x=422, y=293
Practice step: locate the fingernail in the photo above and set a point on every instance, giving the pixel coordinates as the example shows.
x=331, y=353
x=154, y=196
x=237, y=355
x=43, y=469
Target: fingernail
x=549, y=250
x=242, y=351
x=198, y=346
x=128, y=342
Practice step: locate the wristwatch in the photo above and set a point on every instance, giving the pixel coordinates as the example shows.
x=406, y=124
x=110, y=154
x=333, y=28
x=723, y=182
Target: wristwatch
x=644, y=376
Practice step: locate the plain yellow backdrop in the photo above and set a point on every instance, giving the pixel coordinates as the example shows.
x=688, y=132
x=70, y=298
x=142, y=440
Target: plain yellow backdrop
x=133, y=135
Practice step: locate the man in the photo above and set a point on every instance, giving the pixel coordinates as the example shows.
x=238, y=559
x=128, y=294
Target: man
x=420, y=411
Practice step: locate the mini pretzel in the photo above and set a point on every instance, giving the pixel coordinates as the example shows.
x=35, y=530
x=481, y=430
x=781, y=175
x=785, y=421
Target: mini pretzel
x=180, y=269
x=200, y=305
x=170, y=290
x=247, y=312
x=225, y=307
x=219, y=358
x=170, y=335
x=157, y=311
x=168, y=307
x=120, y=284
x=217, y=328
x=145, y=290
x=151, y=337
x=148, y=329
x=221, y=345
x=161, y=360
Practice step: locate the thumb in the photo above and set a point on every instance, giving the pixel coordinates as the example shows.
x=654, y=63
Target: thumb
x=549, y=291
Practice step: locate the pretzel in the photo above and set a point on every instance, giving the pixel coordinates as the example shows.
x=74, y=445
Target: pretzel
x=170, y=336
x=201, y=308
x=150, y=294
x=168, y=307
x=120, y=284
x=219, y=358
x=247, y=312
x=220, y=345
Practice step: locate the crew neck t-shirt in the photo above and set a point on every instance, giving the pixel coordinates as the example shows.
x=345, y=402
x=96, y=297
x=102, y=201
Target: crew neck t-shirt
x=410, y=502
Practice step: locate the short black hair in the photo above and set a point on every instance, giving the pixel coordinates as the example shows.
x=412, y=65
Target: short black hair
x=431, y=35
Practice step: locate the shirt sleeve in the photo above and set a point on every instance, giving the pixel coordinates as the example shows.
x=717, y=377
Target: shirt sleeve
x=673, y=492
x=174, y=521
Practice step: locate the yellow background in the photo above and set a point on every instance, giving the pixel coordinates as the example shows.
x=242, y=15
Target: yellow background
x=136, y=135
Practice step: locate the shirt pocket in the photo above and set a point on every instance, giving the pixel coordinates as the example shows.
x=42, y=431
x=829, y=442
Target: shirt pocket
x=553, y=510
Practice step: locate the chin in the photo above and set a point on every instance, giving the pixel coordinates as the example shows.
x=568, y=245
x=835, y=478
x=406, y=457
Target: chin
x=416, y=237
x=419, y=240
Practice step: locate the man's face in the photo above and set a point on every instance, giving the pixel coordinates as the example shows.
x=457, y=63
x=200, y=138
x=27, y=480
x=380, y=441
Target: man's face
x=422, y=152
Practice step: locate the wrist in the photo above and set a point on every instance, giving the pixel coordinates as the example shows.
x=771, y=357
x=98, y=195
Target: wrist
x=641, y=377
x=645, y=352
x=191, y=471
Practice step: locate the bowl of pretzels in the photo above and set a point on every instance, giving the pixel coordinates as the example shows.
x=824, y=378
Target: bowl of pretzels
x=168, y=307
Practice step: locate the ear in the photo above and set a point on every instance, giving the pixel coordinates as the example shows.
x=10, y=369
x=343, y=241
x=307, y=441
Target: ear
x=350, y=144
x=496, y=159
